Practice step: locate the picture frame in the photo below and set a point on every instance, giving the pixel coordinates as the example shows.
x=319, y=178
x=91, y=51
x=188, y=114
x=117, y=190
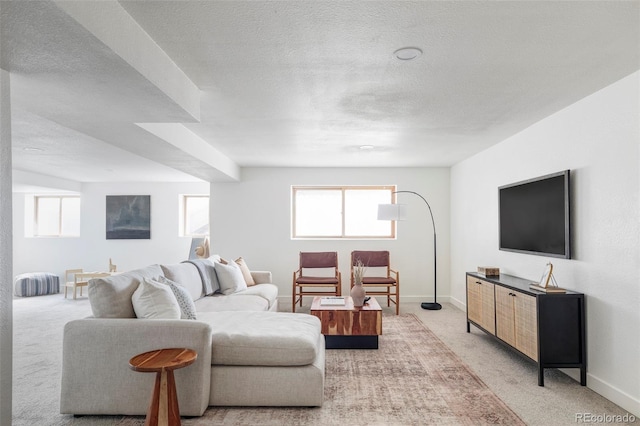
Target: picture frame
x=546, y=276
x=128, y=217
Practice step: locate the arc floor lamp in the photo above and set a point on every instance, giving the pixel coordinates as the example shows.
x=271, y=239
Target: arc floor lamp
x=399, y=212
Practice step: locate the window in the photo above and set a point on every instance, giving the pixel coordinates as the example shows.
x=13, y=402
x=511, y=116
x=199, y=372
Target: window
x=194, y=215
x=340, y=212
x=56, y=216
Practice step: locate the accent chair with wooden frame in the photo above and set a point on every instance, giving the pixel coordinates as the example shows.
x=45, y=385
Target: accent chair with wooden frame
x=317, y=275
x=386, y=281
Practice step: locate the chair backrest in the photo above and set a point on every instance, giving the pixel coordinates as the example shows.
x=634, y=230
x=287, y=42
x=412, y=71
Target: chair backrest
x=370, y=259
x=324, y=259
x=82, y=277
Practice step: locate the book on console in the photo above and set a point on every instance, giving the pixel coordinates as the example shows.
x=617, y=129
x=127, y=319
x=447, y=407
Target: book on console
x=332, y=301
x=548, y=289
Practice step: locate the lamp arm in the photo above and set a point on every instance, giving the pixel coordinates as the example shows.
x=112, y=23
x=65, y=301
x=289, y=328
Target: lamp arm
x=435, y=305
x=426, y=202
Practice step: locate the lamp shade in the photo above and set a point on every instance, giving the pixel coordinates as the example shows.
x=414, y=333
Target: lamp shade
x=392, y=211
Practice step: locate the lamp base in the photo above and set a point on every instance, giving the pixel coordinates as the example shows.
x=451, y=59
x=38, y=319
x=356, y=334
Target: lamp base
x=432, y=306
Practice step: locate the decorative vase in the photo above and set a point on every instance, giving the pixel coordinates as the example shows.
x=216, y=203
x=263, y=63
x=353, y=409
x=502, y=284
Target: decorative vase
x=358, y=294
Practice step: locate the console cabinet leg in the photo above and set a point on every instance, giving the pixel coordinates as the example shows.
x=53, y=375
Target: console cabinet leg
x=540, y=375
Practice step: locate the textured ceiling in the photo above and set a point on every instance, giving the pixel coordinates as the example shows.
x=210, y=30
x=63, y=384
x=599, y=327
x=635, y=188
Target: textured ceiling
x=294, y=83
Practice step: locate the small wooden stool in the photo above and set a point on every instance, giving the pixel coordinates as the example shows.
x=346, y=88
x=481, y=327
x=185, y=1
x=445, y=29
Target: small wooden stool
x=163, y=408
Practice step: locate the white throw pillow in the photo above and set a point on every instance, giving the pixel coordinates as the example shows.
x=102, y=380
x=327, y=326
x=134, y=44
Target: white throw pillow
x=230, y=277
x=153, y=300
x=187, y=307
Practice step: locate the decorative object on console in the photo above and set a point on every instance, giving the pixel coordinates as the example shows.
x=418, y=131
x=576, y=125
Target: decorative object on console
x=358, y=292
x=546, y=279
x=489, y=271
x=398, y=212
x=128, y=217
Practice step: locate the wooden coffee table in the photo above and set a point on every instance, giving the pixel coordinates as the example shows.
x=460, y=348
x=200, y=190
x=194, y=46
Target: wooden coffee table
x=348, y=327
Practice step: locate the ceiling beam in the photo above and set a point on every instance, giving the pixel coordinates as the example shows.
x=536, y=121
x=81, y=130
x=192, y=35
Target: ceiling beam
x=114, y=27
x=184, y=139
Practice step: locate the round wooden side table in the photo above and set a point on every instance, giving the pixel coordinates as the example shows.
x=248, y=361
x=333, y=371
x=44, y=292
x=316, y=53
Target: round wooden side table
x=163, y=408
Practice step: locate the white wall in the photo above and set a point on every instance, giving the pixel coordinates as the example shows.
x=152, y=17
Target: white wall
x=598, y=139
x=91, y=251
x=252, y=219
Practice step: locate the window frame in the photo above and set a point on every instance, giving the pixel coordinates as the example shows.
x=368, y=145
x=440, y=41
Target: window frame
x=183, y=213
x=343, y=188
x=59, y=234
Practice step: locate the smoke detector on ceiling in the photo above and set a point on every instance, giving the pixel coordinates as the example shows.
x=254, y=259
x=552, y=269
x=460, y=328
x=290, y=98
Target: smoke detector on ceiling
x=407, y=53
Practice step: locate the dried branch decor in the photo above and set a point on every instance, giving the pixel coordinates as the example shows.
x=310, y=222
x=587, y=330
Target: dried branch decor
x=358, y=271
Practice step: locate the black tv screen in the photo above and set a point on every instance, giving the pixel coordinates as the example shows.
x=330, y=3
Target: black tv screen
x=535, y=216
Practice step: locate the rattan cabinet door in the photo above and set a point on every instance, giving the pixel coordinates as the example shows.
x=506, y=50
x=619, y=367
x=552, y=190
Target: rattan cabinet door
x=505, y=314
x=526, y=325
x=480, y=304
x=516, y=321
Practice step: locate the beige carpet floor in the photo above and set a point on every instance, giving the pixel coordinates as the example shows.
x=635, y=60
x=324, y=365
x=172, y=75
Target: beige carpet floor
x=372, y=398
x=413, y=378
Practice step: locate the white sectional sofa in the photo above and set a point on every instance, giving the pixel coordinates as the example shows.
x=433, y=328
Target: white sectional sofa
x=248, y=353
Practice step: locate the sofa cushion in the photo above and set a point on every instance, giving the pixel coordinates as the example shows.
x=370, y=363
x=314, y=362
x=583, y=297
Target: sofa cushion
x=230, y=277
x=220, y=303
x=186, y=275
x=263, y=338
x=246, y=273
x=110, y=297
x=266, y=291
x=187, y=307
x=154, y=300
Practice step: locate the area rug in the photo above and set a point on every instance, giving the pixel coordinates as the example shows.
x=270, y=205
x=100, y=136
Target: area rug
x=412, y=379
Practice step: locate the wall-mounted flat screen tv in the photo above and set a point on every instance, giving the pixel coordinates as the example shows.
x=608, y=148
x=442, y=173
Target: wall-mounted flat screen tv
x=535, y=216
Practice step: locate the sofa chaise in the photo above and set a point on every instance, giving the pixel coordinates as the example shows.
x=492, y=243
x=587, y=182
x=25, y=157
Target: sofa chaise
x=248, y=353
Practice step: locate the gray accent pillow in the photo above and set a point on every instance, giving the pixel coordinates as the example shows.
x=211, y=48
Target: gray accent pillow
x=187, y=307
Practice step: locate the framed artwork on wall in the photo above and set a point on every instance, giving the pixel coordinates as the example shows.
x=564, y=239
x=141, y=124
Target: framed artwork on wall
x=128, y=217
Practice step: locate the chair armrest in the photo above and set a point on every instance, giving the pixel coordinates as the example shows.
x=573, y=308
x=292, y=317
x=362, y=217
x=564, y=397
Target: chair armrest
x=262, y=277
x=96, y=378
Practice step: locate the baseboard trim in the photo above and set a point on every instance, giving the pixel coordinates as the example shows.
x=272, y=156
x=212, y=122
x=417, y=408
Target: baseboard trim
x=458, y=304
x=613, y=394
